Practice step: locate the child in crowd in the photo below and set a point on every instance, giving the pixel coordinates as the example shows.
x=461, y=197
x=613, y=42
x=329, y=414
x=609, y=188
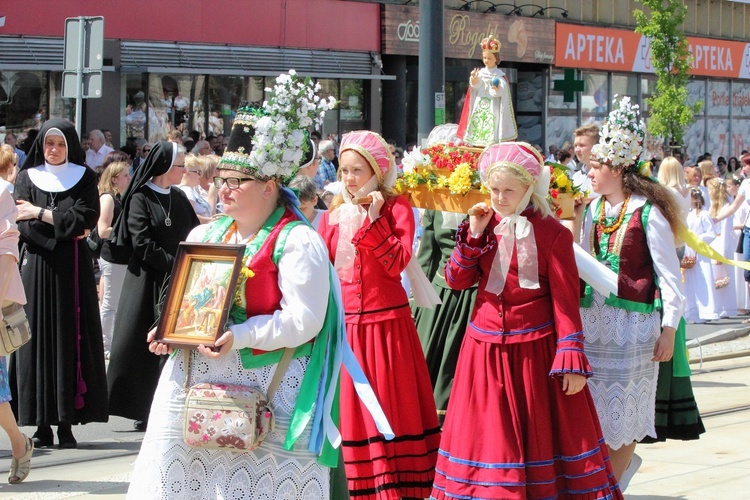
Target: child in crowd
x=699, y=282
x=521, y=422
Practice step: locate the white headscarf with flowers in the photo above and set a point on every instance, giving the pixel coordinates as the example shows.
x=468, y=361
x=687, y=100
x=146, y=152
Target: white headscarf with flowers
x=621, y=139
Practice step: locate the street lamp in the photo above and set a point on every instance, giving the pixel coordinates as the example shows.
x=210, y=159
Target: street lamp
x=492, y=8
x=540, y=10
x=543, y=11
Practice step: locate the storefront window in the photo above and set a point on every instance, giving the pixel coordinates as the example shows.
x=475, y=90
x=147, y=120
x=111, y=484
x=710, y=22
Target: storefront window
x=59, y=107
x=595, y=96
x=718, y=138
x=529, y=105
x=717, y=102
x=352, y=105
x=134, y=97
x=560, y=130
x=694, y=140
x=648, y=89
x=740, y=136
x=175, y=103
x=556, y=98
x=740, y=114
x=23, y=100
x=225, y=93
x=330, y=126
x=455, y=95
x=697, y=93
x=529, y=92
x=740, y=99
x=625, y=86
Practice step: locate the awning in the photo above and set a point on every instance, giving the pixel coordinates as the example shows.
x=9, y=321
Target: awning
x=31, y=53
x=46, y=54
x=157, y=57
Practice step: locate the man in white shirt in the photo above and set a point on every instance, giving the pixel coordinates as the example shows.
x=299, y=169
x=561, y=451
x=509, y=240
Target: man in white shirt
x=98, y=150
x=585, y=138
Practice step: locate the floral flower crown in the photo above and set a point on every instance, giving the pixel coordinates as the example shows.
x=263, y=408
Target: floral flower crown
x=621, y=138
x=492, y=44
x=270, y=141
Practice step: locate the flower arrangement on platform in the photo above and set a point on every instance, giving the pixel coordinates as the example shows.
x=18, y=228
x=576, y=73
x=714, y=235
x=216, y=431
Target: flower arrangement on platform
x=440, y=166
x=442, y=177
x=562, y=191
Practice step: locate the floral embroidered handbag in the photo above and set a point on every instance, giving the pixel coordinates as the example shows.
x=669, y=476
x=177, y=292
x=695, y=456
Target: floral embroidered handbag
x=230, y=417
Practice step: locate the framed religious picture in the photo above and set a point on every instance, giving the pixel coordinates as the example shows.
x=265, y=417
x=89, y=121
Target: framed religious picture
x=200, y=294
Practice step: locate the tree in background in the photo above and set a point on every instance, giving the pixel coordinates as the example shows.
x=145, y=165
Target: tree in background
x=670, y=113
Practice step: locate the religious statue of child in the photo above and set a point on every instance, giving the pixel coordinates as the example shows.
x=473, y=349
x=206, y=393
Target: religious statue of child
x=487, y=116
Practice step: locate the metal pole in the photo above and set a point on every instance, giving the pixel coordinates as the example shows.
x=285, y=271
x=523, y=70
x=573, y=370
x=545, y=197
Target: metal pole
x=431, y=64
x=79, y=73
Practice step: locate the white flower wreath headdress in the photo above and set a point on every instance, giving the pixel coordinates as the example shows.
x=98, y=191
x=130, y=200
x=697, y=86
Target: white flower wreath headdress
x=278, y=130
x=621, y=139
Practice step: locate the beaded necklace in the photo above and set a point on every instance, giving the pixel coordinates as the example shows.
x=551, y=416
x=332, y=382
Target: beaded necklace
x=616, y=225
x=232, y=231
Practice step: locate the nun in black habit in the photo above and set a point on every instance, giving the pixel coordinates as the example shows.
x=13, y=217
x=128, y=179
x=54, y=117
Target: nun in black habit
x=58, y=377
x=155, y=218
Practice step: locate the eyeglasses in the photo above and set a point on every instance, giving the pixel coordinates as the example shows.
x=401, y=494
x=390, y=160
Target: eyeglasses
x=145, y=150
x=231, y=182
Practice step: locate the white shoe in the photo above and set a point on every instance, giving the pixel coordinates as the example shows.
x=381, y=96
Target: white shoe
x=633, y=466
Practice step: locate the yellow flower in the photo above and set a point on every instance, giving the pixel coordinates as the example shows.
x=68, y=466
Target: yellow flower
x=459, y=181
x=247, y=272
x=562, y=181
x=411, y=180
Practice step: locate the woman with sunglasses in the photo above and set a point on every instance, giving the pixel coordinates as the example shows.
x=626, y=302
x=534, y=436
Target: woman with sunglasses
x=155, y=218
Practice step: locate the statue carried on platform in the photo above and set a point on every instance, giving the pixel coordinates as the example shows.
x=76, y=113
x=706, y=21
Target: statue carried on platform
x=487, y=115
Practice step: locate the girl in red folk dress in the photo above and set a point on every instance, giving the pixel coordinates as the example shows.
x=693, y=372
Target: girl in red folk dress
x=521, y=422
x=370, y=245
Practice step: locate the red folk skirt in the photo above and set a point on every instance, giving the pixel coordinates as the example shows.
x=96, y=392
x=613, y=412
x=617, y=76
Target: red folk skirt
x=391, y=357
x=511, y=432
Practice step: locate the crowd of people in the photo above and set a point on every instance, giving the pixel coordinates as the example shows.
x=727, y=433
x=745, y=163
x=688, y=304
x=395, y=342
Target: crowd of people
x=506, y=376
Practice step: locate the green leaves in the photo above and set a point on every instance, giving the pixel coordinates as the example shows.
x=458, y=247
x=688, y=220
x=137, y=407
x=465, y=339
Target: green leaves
x=672, y=62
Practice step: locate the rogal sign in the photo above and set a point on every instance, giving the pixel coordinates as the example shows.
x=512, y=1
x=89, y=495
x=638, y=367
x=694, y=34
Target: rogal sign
x=522, y=38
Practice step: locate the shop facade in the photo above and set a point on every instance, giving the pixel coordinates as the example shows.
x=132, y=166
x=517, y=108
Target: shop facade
x=192, y=74
x=616, y=62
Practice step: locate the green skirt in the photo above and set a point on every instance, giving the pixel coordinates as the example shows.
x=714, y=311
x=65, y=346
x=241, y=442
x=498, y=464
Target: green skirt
x=441, y=331
x=677, y=415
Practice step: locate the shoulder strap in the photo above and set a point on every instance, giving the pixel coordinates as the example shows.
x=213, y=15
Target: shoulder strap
x=281, y=368
x=278, y=375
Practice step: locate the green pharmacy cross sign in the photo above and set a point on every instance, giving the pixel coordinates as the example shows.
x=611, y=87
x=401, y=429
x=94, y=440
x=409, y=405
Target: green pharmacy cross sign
x=569, y=85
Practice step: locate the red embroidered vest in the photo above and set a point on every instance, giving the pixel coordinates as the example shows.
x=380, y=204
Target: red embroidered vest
x=262, y=294
x=635, y=277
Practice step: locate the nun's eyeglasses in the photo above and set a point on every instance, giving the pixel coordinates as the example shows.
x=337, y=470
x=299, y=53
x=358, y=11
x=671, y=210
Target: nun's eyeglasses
x=231, y=182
